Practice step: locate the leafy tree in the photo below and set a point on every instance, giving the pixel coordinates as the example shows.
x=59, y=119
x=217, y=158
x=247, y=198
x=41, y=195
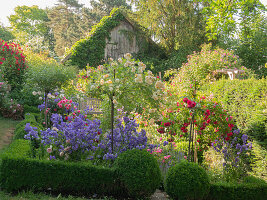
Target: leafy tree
x=174, y=23
x=65, y=20
x=5, y=34
x=30, y=24
x=46, y=74
x=102, y=8
x=225, y=16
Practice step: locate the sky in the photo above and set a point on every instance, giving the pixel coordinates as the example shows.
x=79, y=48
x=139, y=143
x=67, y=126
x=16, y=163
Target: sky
x=7, y=6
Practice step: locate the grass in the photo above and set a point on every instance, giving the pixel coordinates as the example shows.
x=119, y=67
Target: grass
x=29, y=195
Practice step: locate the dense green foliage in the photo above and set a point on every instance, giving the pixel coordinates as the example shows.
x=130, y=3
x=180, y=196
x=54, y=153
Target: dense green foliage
x=46, y=74
x=235, y=191
x=175, y=24
x=19, y=172
x=246, y=101
x=29, y=25
x=17, y=149
x=139, y=173
x=5, y=34
x=91, y=49
x=187, y=180
x=223, y=17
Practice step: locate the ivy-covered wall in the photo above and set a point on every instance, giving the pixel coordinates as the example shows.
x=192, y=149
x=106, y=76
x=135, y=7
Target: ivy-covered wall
x=91, y=50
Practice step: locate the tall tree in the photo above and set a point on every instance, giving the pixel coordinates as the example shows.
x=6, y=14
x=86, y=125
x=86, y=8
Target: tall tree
x=103, y=8
x=175, y=23
x=63, y=18
x=227, y=17
x=29, y=24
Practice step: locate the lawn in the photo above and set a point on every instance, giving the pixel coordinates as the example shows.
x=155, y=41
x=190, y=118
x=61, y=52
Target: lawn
x=40, y=196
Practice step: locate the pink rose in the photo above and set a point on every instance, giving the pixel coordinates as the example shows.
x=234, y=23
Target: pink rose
x=49, y=150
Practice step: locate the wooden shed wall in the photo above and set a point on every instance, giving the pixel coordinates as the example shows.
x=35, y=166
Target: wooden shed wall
x=119, y=44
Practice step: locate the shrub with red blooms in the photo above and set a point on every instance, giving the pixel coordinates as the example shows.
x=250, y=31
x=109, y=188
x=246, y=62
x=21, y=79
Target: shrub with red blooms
x=210, y=121
x=12, y=64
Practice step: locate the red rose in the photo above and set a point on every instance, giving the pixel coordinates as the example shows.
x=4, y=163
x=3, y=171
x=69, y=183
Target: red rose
x=185, y=100
x=161, y=130
x=167, y=124
x=229, y=134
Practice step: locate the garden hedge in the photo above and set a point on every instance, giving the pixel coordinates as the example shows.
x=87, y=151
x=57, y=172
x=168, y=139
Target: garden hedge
x=234, y=191
x=187, y=180
x=20, y=132
x=18, y=172
x=138, y=172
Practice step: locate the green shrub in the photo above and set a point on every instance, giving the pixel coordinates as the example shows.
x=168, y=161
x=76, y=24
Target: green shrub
x=253, y=179
x=31, y=109
x=20, y=172
x=138, y=172
x=201, y=65
x=187, y=180
x=30, y=117
x=258, y=161
x=20, y=132
x=235, y=191
x=18, y=148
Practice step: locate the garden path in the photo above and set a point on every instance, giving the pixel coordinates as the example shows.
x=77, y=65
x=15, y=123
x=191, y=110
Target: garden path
x=6, y=139
x=159, y=195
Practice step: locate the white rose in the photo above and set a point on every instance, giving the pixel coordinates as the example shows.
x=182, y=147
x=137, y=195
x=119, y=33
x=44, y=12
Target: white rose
x=127, y=63
x=149, y=73
x=149, y=80
x=155, y=96
x=102, y=82
x=142, y=65
x=140, y=70
x=113, y=64
x=138, y=78
x=127, y=56
x=159, y=85
x=120, y=60
x=34, y=93
x=114, y=101
x=40, y=98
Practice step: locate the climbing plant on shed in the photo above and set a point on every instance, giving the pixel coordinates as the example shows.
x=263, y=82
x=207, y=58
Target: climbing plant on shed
x=92, y=49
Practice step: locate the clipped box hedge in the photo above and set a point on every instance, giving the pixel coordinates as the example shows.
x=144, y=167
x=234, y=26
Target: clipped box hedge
x=242, y=191
x=18, y=172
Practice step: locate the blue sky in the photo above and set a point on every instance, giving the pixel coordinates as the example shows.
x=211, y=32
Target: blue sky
x=7, y=6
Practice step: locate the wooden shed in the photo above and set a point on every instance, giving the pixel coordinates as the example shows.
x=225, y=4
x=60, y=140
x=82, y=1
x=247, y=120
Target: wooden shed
x=121, y=41
x=114, y=36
